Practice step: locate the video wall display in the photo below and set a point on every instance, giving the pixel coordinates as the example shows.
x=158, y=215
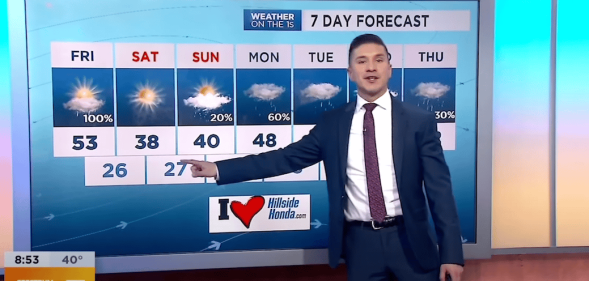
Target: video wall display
x=121, y=91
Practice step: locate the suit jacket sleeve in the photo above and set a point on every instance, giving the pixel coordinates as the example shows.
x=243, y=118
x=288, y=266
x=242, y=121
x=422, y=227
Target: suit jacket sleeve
x=296, y=156
x=441, y=201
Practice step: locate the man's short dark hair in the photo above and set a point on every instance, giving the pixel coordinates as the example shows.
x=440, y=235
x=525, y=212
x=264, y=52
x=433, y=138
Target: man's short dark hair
x=366, y=39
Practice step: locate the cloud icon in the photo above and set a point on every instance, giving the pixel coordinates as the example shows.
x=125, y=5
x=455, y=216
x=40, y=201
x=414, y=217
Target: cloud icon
x=265, y=92
x=84, y=104
x=432, y=90
x=207, y=101
x=323, y=91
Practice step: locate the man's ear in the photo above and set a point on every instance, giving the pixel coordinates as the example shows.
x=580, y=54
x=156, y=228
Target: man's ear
x=350, y=74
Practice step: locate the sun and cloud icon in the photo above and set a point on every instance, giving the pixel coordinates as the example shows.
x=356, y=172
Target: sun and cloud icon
x=207, y=97
x=84, y=97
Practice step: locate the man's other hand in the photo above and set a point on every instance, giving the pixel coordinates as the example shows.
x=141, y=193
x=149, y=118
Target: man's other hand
x=453, y=270
x=202, y=168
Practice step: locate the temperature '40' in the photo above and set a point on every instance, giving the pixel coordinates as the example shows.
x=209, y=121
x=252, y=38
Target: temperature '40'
x=72, y=259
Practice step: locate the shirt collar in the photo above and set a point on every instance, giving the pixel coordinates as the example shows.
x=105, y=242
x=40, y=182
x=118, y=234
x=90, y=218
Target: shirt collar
x=383, y=102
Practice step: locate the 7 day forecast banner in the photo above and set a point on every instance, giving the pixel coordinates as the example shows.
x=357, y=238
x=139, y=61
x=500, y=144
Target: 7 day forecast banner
x=120, y=92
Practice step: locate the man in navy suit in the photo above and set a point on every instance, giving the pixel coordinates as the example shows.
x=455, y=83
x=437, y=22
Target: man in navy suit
x=378, y=153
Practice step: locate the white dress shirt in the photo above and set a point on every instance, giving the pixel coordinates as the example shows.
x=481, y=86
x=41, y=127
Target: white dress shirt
x=356, y=188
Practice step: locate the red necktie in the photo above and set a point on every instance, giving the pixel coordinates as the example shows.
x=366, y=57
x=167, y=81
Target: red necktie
x=376, y=200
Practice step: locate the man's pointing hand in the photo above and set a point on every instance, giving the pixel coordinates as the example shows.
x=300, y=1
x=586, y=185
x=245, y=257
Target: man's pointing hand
x=202, y=168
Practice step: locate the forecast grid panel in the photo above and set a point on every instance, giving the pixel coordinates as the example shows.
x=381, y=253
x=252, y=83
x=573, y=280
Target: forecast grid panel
x=196, y=106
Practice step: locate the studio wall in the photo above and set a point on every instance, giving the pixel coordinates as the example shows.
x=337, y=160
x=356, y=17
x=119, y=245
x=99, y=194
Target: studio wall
x=6, y=217
x=521, y=162
x=540, y=152
x=572, y=127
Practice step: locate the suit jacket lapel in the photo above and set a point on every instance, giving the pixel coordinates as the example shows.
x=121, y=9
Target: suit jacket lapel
x=343, y=137
x=399, y=128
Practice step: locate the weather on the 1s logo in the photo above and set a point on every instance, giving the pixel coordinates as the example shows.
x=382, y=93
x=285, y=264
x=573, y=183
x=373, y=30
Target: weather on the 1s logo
x=83, y=99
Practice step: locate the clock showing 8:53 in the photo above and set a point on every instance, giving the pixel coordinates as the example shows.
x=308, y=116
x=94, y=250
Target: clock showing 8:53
x=27, y=259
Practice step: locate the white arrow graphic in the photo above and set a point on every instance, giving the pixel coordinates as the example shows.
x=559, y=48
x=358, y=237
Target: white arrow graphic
x=214, y=244
x=217, y=245
x=317, y=223
x=90, y=208
x=78, y=211
x=122, y=225
x=464, y=240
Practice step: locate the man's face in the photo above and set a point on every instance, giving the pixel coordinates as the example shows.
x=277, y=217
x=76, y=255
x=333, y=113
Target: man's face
x=370, y=69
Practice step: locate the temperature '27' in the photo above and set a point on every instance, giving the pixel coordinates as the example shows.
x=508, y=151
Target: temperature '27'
x=171, y=167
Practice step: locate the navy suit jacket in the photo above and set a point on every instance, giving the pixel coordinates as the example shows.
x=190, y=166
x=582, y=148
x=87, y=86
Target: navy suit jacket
x=418, y=160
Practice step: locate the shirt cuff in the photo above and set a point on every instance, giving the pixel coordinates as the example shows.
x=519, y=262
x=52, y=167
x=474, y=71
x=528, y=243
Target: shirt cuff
x=217, y=177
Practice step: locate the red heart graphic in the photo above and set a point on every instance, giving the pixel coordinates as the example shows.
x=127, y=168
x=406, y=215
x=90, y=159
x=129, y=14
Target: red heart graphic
x=245, y=213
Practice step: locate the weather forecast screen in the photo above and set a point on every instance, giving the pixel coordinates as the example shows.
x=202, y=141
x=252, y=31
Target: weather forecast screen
x=121, y=91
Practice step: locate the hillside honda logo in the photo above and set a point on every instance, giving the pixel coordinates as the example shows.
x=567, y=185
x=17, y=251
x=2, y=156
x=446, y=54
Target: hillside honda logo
x=259, y=213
